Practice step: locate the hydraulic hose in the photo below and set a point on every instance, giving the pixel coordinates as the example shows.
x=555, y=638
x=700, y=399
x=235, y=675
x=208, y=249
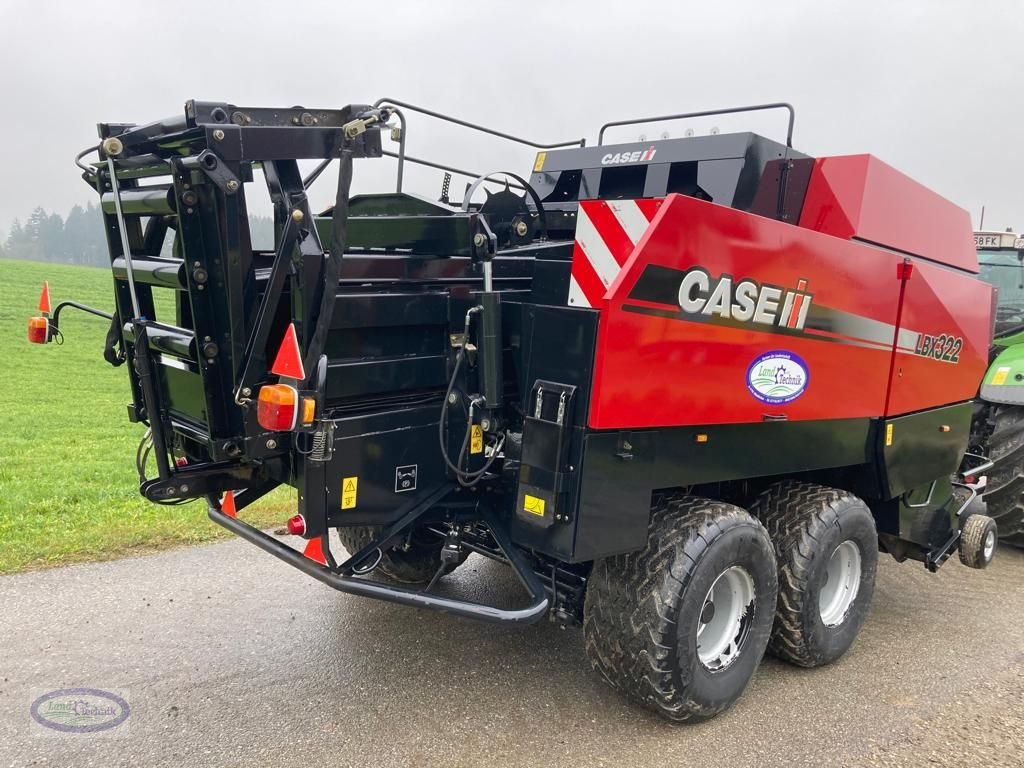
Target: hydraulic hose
x=465, y=478
x=468, y=479
x=444, y=416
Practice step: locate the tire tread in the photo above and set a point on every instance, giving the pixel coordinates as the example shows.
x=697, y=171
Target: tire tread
x=413, y=567
x=628, y=627
x=1005, y=495
x=796, y=513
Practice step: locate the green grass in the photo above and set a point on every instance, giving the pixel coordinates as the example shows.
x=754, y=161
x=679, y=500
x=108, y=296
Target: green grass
x=68, y=487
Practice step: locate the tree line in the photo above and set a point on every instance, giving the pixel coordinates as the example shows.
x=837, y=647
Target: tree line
x=79, y=238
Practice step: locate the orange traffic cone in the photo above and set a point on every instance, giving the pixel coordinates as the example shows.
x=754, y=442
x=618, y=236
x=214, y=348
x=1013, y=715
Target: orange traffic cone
x=227, y=504
x=314, y=551
x=44, y=298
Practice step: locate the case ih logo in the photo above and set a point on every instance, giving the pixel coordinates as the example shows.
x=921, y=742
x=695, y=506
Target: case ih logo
x=746, y=300
x=640, y=156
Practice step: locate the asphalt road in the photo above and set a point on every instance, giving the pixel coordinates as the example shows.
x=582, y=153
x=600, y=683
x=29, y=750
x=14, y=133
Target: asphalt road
x=231, y=658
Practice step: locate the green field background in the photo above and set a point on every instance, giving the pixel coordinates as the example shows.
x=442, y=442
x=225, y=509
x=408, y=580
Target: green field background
x=68, y=487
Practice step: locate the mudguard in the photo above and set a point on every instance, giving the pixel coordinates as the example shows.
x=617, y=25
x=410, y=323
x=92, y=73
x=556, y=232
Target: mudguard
x=1004, y=379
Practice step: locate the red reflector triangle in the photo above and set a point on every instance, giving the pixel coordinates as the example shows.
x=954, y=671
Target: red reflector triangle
x=288, y=362
x=44, y=298
x=227, y=504
x=315, y=551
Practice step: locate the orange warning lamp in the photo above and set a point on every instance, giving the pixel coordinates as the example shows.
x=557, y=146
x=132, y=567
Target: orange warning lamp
x=277, y=407
x=38, y=330
x=39, y=326
x=308, y=411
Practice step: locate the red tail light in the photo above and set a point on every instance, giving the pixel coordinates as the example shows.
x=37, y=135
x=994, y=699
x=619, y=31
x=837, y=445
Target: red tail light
x=38, y=330
x=296, y=525
x=277, y=409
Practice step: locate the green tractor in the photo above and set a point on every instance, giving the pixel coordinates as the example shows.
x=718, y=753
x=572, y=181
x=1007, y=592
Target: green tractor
x=998, y=426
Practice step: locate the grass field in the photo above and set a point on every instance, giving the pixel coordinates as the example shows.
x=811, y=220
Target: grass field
x=68, y=487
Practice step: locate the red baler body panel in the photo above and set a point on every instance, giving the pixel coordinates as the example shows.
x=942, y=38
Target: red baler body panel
x=659, y=365
x=860, y=197
x=940, y=302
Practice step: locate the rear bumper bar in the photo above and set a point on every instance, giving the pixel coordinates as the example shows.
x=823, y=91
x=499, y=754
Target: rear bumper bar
x=358, y=586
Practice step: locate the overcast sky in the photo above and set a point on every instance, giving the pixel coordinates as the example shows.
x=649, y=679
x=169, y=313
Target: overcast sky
x=932, y=87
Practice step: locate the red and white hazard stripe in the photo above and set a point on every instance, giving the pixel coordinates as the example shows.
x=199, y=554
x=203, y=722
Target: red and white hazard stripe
x=607, y=231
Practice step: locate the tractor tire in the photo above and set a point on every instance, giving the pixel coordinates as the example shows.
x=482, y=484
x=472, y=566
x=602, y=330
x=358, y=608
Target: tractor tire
x=681, y=625
x=414, y=563
x=826, y=547
x=1004, y=495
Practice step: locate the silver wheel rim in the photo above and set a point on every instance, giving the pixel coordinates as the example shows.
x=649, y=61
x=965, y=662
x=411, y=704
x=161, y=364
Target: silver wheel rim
x=725, y=616
x=990, y=545
x=842, y=581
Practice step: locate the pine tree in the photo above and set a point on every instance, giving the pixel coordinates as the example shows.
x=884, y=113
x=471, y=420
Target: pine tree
x=15, y=241
x=34, y=233
x=51, y=239
x=77, y=236
x=94, y=239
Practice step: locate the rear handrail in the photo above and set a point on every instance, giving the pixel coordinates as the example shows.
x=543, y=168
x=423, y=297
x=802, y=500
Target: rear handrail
x=399, y=105
x=706, y=113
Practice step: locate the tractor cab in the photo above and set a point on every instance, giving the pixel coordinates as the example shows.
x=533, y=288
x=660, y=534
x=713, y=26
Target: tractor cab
x=1001, y=262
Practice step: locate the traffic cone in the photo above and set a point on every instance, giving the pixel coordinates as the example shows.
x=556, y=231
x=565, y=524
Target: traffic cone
x=314, y=551
x=227, y=504
x=288, y=362
x=44, y=298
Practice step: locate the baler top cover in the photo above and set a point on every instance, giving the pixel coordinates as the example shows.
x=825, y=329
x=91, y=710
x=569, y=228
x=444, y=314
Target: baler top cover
x=855, y=197
x=740, y=170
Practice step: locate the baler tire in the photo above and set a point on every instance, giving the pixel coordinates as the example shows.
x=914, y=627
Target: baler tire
x=415, y=564
x=643, y=610
x=1004, y=495
x=978, y=541
x=810, y=526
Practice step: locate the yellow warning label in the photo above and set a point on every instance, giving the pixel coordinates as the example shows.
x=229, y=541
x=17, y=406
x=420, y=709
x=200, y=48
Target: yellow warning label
x=888, y=435
x=476, y=439
x=1001, y=374
x=533, y=505
x=349, y=492
x=538, y=164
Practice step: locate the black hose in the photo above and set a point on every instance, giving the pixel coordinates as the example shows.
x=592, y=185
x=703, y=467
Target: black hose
x=465, y=478
x=469, y=479
x=444, y=415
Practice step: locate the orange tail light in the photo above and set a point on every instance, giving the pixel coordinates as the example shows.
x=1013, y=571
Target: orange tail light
x=277, y=408
x=280, y=408
x=38, y=330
